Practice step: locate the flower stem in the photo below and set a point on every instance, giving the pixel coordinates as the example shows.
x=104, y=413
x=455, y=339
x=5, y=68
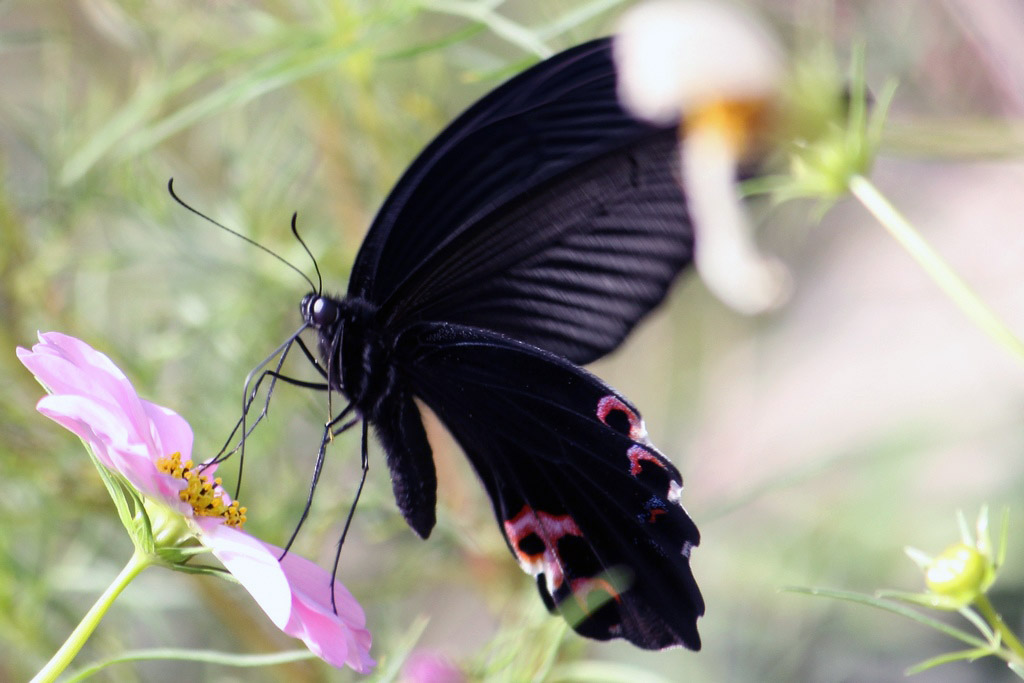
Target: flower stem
x=76, y=640
x=933, y=264
x=1008, y=637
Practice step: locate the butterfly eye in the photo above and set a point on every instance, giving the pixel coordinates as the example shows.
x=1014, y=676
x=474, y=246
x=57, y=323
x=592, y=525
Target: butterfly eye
x=322, y=312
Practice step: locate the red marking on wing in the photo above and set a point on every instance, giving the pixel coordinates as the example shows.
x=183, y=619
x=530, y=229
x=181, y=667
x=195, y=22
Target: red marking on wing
x=637, y=454
x=549, y=529
x=654, y=514
x=637, y=430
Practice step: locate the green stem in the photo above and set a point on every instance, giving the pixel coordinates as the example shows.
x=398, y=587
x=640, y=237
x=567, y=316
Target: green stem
x=76, y=640
x=1007, y=636
x=933, y=264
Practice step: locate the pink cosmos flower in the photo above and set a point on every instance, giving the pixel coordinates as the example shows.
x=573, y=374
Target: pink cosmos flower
x=427, y=666
x=149, y=445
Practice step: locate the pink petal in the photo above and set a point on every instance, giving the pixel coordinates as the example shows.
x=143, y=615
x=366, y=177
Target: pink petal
x=91, y=397
x=171, y=433
x=254, y=565
x=104, y=432
x=70, y=366
x=424, y=666
x=50, y=358
x=94, y=423
x=338, y=639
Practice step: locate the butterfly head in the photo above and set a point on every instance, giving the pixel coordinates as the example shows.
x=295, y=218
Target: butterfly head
x=320, y=312
x=326, y=313
x=350, y=345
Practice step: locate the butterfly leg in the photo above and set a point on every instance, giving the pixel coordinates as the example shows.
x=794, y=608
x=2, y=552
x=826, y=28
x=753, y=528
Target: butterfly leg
x=330, y=430
x=351, y=512
x=311, y=358
x=224, y=453
x=249, y=397
x=276, y=375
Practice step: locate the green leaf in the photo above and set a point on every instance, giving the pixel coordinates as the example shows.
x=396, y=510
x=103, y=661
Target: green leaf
x=970, y=655
x=980, y=624
x=274, y=73
x=919, y=557
x=501, y=26
x=1004, y=535
x=602, y=672
x=929, y=600
x=177, y=557
x=575, y=17
x=212, y=657
x=129, y=505
x=965, y=530
x=893, y=607
x=201, y=569
x=458, y=36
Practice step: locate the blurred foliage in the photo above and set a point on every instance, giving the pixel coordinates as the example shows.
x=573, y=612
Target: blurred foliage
x=815, y=444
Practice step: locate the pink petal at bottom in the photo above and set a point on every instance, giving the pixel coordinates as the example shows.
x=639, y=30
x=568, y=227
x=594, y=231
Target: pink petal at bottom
x=339, y=639
x=253, y=564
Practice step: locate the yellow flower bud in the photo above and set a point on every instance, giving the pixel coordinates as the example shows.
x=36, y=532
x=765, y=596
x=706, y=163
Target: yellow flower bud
x=961, y=572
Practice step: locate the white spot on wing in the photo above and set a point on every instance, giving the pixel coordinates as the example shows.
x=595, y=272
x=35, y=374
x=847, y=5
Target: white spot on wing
x=675, y=493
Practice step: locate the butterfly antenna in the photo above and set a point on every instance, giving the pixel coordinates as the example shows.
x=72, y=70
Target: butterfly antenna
x=170, y=189
x=316, y=267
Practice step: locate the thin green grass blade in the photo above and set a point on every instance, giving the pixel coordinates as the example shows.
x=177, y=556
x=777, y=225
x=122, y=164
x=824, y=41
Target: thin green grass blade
x=893, y=607
x=391, y=664
x=501, y=26
x=575, y=17
x=959, y=656
x=212, y=657
x=602, y=672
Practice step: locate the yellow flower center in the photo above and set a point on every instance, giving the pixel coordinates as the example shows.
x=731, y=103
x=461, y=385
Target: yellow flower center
x=739, y=121
x=205, y=496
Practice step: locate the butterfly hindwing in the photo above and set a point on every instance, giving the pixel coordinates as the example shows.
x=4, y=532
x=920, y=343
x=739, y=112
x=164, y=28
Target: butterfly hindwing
x=410, y=461
x=544, y=212
x=586, y=503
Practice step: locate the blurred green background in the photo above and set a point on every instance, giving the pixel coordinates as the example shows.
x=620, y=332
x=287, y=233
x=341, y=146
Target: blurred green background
x=815, y=442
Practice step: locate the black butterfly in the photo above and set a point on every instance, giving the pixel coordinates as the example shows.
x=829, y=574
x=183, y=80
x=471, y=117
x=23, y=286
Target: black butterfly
x=530, y=236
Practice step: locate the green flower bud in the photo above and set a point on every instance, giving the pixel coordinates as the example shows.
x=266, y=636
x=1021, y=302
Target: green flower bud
x=960, y=573
x=957, y=569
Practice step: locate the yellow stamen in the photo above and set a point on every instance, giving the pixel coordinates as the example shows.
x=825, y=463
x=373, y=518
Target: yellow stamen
x=206, y=497
x=740, y=121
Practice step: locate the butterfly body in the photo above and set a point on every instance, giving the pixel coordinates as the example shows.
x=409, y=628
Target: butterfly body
x=528, y=238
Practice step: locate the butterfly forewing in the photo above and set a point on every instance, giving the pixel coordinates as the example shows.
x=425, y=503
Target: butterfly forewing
x=588, y=506
x=545, y=212
x=569, y=266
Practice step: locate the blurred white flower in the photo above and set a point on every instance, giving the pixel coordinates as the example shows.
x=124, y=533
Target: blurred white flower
x=715, y=69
